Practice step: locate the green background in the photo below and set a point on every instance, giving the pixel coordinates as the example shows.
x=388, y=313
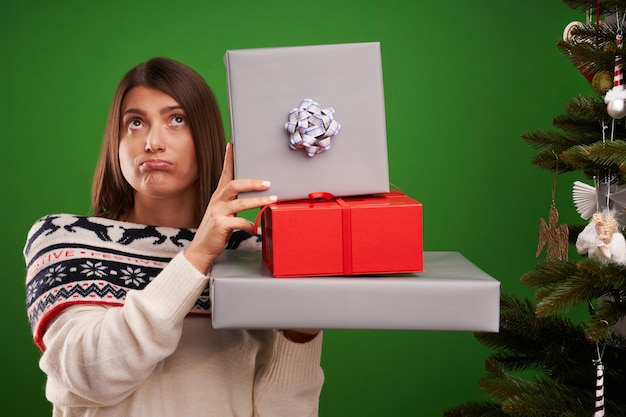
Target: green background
x=462, y=82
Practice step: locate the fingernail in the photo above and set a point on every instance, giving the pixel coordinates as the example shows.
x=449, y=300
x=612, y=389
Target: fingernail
x=273, y=198
x=266, y=184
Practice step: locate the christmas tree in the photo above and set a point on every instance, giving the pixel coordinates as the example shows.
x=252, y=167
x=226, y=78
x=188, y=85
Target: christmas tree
x=543, y=362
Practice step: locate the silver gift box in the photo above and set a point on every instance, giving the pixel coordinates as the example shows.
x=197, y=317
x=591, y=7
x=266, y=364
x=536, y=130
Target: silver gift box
x=265, y=84
x=452, y=294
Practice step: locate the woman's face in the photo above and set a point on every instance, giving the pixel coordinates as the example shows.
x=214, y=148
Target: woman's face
x=156, y=151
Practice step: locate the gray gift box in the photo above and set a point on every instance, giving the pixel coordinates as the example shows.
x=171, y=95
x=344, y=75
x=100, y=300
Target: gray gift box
x=452, y=294
x=265, y=84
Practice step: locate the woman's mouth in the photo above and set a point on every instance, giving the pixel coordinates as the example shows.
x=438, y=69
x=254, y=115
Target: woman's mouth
x=154, y=164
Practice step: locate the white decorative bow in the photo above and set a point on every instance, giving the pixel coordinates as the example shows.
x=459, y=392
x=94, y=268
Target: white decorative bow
x=311, y=127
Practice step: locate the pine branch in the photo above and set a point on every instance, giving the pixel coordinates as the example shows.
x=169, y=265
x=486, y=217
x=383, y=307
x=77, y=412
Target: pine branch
x=579, y=142
x=564, y=285
x=611, y=154
x=579, y=130
x=551, y=345
x=559, y=350
x=554, y=140
x=605, y=316
x=583, y=120
x=545, y=159
x=587, y=107
x=566, y=385
x=533, y=397
x=606, y=277
x=594, y=160
x=502, y=386
x=592, y=47
x=546, y=397
x=580, y=125
x=548, y=272
x=606, y=6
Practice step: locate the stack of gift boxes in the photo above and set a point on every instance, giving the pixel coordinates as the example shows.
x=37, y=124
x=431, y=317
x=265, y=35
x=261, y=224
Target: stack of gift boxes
x=311, y=120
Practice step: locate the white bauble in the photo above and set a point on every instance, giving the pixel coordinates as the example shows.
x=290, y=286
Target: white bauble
x=616, y=108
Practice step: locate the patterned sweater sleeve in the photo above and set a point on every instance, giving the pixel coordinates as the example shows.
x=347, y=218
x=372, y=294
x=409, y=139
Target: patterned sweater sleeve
x=104, y=353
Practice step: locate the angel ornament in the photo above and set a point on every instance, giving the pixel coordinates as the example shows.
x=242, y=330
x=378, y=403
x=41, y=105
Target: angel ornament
x=554, y=236
x=602, y=240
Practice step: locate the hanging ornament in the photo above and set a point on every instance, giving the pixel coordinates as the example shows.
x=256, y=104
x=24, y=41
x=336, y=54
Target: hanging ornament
x=601, y=240
x=599, y=410
x=568, y=36
x=615, y=98
x=599, y=401
x=592, y=15
x=602, y=82
x=556, y=237
x=604, y=196
x=589, y=199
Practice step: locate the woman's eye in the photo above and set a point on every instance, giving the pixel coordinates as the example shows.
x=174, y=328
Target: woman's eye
x=178, y=120
x=135, y=124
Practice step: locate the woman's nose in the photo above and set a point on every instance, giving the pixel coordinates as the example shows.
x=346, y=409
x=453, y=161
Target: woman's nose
x=154, y=141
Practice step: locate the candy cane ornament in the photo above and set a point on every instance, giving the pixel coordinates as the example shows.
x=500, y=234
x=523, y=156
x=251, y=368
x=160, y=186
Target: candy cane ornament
x=599, y=404
x=599, y=410
x=615, y=98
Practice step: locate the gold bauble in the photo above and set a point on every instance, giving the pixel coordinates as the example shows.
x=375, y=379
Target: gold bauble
x=602, y=82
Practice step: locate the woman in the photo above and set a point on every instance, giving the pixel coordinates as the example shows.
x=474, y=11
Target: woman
x=118, y=301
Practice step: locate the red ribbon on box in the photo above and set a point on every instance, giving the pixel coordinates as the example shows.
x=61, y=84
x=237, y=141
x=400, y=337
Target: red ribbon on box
x=346, y=225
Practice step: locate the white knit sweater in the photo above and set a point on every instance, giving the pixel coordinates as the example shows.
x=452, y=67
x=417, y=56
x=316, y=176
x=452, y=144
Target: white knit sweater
x=124, y=326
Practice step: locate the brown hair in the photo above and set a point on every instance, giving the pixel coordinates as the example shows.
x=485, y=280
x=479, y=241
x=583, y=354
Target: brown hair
x=111, y=195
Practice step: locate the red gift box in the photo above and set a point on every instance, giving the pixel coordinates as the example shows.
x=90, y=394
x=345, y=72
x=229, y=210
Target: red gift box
x=378, y=234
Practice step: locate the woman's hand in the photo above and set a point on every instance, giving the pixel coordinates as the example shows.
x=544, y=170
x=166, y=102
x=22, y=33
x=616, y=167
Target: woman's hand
x=220, y=218
x=300, y=335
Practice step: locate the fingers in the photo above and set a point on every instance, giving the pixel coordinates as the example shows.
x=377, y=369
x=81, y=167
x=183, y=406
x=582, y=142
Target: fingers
x=242, y=204
x=244, y=185
x=229, y=190
x=229, y=224
x=228, y=187
x=224, y=201
x=228, y=168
